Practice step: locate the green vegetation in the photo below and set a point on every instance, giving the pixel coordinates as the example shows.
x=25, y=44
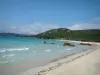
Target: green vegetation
x=83, y=35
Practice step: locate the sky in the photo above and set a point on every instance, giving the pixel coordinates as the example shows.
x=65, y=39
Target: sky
x=36, y=16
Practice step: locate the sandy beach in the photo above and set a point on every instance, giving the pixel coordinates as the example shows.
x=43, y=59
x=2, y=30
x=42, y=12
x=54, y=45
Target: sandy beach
x=84, y=63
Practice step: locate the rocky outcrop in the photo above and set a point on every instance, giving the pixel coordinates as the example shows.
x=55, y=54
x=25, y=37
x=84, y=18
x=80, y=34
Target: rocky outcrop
x=85, y=44
x=68, y=44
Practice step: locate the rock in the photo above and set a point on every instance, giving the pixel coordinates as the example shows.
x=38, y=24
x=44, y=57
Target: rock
x=68, y=44
x=85, y=44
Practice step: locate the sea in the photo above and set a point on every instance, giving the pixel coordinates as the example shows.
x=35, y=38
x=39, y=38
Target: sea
x=21, y=54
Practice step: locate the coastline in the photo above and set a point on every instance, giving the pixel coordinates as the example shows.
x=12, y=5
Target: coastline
x=43, y=70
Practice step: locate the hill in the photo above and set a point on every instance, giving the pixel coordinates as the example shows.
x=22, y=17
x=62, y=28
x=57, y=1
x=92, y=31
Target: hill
x=84, y=35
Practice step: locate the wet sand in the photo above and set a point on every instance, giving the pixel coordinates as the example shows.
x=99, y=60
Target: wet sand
x=84, y=63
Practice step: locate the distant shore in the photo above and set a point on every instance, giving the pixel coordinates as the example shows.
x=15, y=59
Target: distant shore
x=44, y=70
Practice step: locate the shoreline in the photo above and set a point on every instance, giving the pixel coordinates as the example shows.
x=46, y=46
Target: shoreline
x=88, y=64
x=82, y=41
x=44, y=69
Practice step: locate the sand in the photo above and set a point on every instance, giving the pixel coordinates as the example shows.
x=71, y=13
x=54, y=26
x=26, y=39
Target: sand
x=84, y=63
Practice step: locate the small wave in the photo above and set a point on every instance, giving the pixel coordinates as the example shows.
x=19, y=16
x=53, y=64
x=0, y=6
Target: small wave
x=48, y=50
x=17, y=49
x=2, y=51
x=68, y=49
x=10, y=55
x=13, y=49
x=7, y=62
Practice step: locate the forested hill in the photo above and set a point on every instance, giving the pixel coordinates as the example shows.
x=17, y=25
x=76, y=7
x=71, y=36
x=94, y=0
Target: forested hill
x=84, y=35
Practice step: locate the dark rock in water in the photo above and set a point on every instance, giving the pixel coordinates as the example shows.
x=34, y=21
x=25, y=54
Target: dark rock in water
x=44, y=42
x=52, y=43
x=68, y=44
x=47, y=43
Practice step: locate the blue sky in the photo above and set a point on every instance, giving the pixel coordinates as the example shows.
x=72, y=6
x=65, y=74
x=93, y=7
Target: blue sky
x=35, y=16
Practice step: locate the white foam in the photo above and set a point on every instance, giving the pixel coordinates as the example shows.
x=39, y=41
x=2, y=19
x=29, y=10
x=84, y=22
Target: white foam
x=9, y=55
x=48, y=50
x=2, y=51
x=17, y=49
x=68, y=49
x=13, y=49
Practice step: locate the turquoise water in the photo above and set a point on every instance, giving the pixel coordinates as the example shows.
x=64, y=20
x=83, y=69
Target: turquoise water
x=17, y=52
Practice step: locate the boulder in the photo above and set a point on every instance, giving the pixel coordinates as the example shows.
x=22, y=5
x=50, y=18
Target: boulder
x=85, y=44
x=68, y=44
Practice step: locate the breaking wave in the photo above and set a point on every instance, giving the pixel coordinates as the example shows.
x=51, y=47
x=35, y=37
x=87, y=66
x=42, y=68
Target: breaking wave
x=13, y=49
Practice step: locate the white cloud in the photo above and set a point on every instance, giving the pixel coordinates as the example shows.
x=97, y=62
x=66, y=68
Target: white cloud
x=92, y=24
x=34, y=28
x=84, y=26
